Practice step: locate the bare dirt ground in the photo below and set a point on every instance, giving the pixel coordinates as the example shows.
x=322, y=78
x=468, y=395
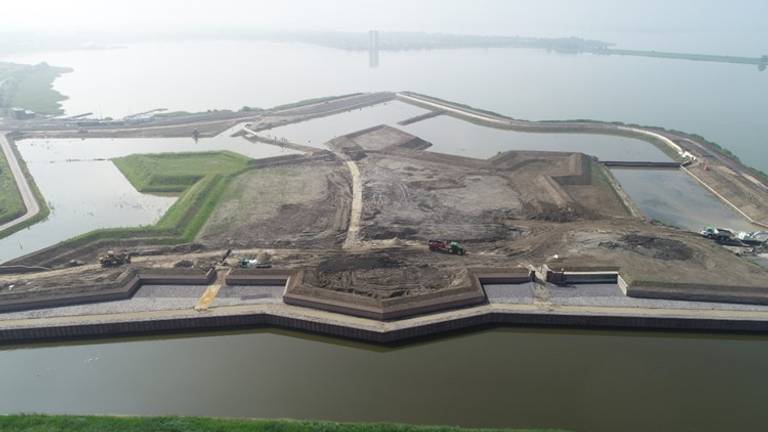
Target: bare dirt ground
x=516, y=209
x=743, y=190
x=287, y=206
x=420, y=200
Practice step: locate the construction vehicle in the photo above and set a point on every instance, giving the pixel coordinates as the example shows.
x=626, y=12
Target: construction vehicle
x=757, y=238
x=111, y=259
x=262, y=261
x=717, y=234
x=729, y=237
x=451, y=247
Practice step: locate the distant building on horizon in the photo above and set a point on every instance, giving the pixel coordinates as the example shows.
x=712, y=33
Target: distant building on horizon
x=373, y=48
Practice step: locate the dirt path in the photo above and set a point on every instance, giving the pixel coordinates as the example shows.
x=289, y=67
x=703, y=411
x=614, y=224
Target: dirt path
x=204, y=302
x=21, y=183
x=356, y=214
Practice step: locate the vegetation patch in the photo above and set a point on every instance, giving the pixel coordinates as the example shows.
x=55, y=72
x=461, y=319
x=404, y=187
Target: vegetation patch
x=29, y=423
x=311, y=101
x=31, y=87
x=176, y=172
x=201, y=178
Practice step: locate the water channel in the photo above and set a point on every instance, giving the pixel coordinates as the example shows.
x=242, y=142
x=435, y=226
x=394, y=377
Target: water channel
x=85, y=190
x=581, y=380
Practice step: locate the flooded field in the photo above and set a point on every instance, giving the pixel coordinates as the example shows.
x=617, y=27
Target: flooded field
x=458, y=137
x=316, y=132
x=675, y=198
x=85, y=191
x=63, y=150
x=82, y=196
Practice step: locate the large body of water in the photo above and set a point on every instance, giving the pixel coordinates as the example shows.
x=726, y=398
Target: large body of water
x=723, y=102
x=580, y=380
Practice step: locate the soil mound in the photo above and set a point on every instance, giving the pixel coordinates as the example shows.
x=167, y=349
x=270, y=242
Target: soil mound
x=654, y=247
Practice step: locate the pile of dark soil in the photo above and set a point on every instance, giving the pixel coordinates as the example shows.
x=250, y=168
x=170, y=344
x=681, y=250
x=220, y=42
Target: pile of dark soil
x=654, y=247
x=549, y=212
x=345, y=263
x=389, y=232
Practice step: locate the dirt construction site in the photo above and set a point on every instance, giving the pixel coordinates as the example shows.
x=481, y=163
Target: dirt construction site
x=353, y=228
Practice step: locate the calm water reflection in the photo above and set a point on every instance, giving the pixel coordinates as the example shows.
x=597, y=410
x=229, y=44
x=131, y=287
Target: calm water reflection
x=86, y=192
x=675, y=198
x=580, y=380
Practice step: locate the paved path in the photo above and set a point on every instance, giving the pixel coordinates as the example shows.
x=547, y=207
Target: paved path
x=21, y=183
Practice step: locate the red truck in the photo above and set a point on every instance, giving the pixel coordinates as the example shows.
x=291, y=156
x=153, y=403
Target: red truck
x=451, y=247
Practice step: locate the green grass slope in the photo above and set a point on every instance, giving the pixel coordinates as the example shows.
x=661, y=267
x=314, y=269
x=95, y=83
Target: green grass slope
x=11, y=204
x=40, y=423
x=200, y=178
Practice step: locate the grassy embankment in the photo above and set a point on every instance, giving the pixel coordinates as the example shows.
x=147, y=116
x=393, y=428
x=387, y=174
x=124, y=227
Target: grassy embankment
x=11, y=204
x=39, y=423
x=30, y=87
x=199, y=178
x=311, y=101
x=44, y=210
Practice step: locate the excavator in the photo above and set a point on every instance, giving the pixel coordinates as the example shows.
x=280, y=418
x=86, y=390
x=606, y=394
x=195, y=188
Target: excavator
x=450, y=246
x=112, y=259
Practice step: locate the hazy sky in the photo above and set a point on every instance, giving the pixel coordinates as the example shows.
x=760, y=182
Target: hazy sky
x=511, y=17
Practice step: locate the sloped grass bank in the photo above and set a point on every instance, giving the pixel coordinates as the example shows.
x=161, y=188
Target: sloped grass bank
x=11, y=204
x=44, y=209
x=175, y=172
x=201, y=178
x=35, y=423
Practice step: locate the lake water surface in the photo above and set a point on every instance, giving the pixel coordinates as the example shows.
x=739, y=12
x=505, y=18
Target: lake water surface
x=723, y=102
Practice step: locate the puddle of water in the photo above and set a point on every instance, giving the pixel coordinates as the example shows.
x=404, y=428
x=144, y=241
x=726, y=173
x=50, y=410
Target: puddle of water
x=673, y=197
x=316, y=132
x=458, y=137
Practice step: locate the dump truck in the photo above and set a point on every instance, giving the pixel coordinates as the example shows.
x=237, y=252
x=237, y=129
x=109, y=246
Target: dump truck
x=111, y=259
x=718, y=234
x=446, y=246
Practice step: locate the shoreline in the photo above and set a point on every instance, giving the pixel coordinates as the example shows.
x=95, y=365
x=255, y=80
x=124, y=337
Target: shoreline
x=660, y=138
x=481, y=311
x=312, y=321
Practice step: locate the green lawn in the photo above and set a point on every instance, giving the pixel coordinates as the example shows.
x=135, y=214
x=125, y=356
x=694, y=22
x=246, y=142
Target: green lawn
x=11, y=204
x=31, y=87
x=44, y=210
x=175, y=172
x=40, y=423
